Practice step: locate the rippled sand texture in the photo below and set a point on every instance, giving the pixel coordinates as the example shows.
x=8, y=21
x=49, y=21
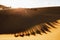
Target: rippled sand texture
x=26, y=17
x=53, y=35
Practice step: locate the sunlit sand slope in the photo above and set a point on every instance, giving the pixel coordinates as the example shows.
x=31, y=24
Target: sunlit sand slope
x=53, y=35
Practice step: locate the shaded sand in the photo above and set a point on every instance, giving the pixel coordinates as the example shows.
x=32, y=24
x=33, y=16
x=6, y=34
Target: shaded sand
x=53, y=35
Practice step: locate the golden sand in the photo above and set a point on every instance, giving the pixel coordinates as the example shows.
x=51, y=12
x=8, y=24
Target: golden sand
x=53, y=35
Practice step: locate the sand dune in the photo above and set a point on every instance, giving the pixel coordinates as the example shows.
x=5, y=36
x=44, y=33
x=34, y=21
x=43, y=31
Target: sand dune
x=53, y=35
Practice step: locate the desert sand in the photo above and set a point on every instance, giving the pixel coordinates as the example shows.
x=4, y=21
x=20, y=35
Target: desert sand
x=53, y=35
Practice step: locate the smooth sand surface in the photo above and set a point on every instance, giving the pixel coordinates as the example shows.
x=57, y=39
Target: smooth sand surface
x=53, y=35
